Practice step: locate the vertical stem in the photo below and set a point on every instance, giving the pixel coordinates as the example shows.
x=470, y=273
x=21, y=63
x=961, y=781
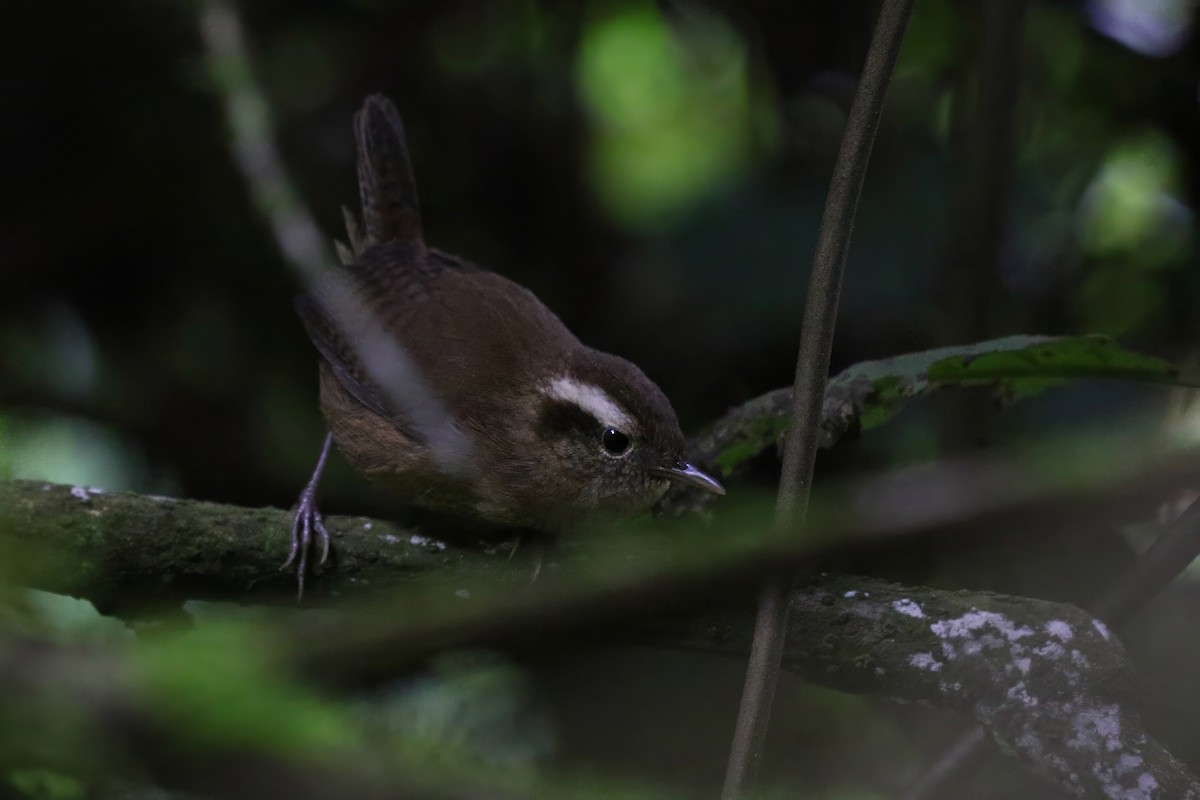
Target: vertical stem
x=812, y=368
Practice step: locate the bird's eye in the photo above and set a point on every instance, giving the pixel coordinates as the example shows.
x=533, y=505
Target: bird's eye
x=615, y=442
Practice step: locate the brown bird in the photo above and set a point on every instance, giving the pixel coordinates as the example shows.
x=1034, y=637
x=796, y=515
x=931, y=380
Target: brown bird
x=459, y=390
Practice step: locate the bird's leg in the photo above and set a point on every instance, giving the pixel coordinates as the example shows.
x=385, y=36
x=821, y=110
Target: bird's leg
x=307, y=521
x=530, y=540
x=537, y=567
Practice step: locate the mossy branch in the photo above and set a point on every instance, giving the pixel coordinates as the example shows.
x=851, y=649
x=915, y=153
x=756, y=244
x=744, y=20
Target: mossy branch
x=1025, y=669
x=870, y=393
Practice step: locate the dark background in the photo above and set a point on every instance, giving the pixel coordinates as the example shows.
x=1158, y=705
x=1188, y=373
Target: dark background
x=142, y=291
x=147, y=339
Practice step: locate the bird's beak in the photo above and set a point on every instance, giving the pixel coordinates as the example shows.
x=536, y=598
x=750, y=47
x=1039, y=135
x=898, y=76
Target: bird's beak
x=686, y=473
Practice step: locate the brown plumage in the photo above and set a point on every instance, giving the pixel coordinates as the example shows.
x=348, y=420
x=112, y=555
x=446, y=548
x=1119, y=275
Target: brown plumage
x=556, y=431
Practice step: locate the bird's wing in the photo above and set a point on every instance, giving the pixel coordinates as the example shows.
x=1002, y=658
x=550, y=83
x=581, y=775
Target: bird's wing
x=347, y=366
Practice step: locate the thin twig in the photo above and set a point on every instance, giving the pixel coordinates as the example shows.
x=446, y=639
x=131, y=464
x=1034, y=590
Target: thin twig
x=302, y=244
x=812, y=368
x=248, y=114
x=1165, y=560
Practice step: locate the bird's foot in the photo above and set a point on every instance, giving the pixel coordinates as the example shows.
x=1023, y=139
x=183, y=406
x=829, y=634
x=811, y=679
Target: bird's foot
x=307, y=524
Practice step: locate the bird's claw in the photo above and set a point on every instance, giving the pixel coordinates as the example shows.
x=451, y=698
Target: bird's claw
x=307, y=523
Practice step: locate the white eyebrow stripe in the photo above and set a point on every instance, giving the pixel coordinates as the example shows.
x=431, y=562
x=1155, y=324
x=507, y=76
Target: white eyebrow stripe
x=592, y=399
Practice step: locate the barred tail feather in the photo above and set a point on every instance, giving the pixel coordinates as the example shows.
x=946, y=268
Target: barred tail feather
x=386, y=187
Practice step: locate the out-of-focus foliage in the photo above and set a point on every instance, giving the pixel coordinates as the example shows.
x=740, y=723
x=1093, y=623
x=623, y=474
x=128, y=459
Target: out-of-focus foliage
x=45, y=785
x=1134, y=227
x=1132, y=208
x=672, y=111
x=72, y=450
x=468, y=707
x=657, y=179
x=215, y=685
x=65, y=619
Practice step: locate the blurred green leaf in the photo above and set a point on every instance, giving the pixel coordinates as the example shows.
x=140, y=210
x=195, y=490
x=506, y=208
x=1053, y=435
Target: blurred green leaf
x=1132, y=207
x=1118, y=299
x=71, y=450
x=69, y=618
x=929, y=44
x=44, y=784
x=469, y=707
x=671, y=111
x=216, y=686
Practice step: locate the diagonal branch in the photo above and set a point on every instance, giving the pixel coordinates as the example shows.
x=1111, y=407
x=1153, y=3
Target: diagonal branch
x=1176, y=548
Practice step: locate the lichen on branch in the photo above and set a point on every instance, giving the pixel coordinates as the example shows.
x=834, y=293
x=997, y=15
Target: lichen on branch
x=1049, y=683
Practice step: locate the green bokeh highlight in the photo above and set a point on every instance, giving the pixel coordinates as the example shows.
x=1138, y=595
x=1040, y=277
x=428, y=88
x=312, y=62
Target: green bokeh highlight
x=69, y=450
x=45, y=784
x=1132, y=207
x=217, y=687
x=1134, y=229
x=671, y=112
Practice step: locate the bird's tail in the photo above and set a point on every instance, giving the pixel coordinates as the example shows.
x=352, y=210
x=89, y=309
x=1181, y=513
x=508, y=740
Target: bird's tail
x=386, y=187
